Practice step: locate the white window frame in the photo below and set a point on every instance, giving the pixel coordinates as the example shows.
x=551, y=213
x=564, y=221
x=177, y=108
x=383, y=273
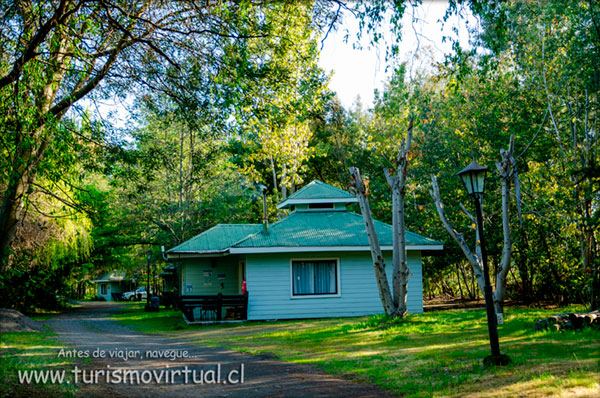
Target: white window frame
x=103, y=289
x=312, y=296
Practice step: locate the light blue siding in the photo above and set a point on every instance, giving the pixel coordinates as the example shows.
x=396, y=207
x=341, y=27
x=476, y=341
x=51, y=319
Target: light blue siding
x=111, y=287
x=201, y=276
x=269, y=287
x=106, y=296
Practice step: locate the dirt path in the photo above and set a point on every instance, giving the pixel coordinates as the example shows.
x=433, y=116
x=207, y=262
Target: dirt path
x=89, y=328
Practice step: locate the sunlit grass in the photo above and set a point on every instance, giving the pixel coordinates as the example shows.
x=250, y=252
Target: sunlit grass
x=431, y=354
x=164, y=320
x=32, y=351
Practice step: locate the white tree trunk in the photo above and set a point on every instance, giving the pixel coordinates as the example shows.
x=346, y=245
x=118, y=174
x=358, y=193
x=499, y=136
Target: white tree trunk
x=506, y=169
x=396, y=304
x=473, y=258
x=398, y=187
x=359, y=189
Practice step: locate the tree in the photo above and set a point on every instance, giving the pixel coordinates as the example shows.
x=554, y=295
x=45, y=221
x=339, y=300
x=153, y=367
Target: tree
x=393, y=305
x=506, y=171
x=556, y=51
x=283, y=95
x=54, y=54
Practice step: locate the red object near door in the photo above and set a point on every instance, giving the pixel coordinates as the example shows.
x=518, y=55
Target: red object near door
x=243, y=287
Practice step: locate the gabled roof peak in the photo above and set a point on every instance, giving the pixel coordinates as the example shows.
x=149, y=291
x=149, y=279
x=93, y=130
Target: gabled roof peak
x=317, y=192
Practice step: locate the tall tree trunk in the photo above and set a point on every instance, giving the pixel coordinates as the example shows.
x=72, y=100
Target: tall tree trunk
x=470, y=292
x=460, y=289
x=274, y=174
x=506, y=169
x=26, y=157
x=10, y=214
x=397, y=184
x=359, y=189
x=181, y=189
x=282, y=183
x=395, y=305
x=473, y=258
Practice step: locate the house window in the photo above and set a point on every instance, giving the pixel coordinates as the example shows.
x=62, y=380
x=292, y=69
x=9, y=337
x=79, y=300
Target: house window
x=320, y=205
x=103, y=288
x=314, y=277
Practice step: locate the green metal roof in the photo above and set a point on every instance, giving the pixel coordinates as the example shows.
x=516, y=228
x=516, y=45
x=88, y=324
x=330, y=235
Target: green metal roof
x=317, y=192
x=216, y=239
x=325, y=228
x=317, y=229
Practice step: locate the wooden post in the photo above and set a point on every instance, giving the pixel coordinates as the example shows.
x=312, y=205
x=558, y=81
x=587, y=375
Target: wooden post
x=245, y=310
x=219, y=306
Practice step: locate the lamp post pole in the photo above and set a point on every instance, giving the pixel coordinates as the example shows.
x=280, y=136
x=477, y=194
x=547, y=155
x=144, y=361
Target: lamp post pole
x=489, y=299
x=149, y=257
x=473, y=177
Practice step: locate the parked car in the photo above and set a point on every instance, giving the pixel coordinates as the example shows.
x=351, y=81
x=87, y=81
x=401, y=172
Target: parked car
x=137, y=294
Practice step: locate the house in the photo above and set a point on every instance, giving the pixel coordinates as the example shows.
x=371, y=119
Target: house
x=112, y=284
x=314, y=263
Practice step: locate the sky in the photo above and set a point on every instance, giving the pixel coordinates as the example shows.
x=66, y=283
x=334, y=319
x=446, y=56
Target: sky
x=357, y=73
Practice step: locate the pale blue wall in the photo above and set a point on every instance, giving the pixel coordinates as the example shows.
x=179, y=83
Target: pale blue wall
x=111, y=287
x=268, y=278
x=193, y=275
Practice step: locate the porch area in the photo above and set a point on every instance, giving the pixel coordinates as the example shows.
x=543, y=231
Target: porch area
x=214, y=308
x=212, y=289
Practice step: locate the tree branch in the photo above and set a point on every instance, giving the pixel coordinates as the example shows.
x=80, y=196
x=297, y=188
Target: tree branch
x=457, y=236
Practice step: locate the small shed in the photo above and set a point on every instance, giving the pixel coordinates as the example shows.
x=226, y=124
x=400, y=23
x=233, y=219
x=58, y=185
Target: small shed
x=112, y=284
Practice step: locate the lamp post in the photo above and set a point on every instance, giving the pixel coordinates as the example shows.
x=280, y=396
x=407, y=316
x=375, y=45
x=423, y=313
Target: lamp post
x=473, y=176
x=148, y=257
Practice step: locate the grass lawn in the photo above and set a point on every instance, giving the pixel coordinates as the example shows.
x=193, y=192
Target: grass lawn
x=431, y=354
x=32, y=351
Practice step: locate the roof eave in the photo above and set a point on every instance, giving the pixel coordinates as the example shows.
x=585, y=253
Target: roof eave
x=198, y=253
x=303, y=249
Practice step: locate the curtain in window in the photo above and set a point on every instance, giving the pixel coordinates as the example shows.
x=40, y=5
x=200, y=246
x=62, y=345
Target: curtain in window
x=314, y=277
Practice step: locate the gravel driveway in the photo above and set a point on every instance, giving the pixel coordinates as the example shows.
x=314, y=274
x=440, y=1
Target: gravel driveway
x=90, y=329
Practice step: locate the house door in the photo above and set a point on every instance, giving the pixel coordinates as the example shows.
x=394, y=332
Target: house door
x=241, y=275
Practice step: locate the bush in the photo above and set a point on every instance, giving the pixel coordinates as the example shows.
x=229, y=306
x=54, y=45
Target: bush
x=26, y=287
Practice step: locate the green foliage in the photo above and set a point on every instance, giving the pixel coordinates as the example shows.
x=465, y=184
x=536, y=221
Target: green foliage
x=27, y=286
x=552, y=49
x=247, y=103
x=282, y=97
